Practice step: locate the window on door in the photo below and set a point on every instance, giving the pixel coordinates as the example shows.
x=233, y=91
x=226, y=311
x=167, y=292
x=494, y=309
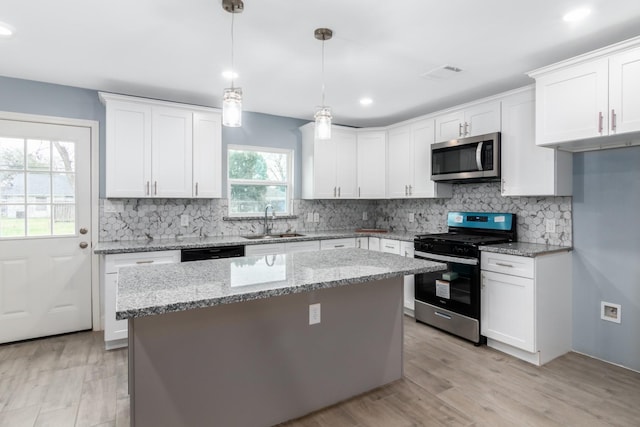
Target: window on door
x=37, y=188
x=258, y=177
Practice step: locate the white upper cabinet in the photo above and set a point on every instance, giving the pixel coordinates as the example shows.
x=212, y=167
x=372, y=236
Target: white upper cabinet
x=409, y=162
x=372, y=164
x=329, y=166
x=128, y=149
x=527, y=169
x=207, y=155
x=161, y=149
x=171, y=152
x=471, y=120
x=588, y=97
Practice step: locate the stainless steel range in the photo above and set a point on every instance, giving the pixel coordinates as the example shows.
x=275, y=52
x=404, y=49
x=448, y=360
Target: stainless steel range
x=451, y=300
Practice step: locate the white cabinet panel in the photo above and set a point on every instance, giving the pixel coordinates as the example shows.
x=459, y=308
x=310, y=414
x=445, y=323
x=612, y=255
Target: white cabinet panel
x=528, y=169
x=374, y=244
x=472, y=120
x=329, y=166
x=409, y=162
x=128, y=149
x=349, y=242
x=624, y=92
x=264, y=249
x=115, y=331
x=372, y=164
x=305, y=246
x=171, y=153
x=362, y=242
x=406, y=249
x=390, y=246
x=508, y=304
x=207, y=155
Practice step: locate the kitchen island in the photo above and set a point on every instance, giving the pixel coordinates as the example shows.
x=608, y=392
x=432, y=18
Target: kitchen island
x=230, y=342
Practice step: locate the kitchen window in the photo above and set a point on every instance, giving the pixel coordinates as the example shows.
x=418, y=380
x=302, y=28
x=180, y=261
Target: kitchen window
x=257, y=177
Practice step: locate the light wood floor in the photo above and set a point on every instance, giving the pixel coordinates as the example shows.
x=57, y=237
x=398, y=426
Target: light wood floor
x=71, y=381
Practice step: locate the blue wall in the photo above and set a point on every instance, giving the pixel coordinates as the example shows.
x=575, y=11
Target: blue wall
x=606, y=257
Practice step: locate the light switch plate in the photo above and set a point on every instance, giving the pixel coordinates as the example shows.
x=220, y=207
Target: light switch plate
x=364, y=216
x=309, y=216
x=184, y=220
x=316, y=217
x=412, y=217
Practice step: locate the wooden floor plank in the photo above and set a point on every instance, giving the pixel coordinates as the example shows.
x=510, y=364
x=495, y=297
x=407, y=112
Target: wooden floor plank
x=70, y=380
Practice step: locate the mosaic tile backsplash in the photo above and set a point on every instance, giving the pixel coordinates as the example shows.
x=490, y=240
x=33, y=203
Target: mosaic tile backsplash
x=160, y=218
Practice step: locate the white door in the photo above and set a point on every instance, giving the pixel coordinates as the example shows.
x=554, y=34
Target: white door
x=399, y=162
x=45, y=214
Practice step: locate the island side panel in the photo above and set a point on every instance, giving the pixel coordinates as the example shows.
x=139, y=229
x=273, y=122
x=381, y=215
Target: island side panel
x=259, y=363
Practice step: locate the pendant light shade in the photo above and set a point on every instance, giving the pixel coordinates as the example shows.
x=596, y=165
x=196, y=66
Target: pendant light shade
x=232, y=107
x=323, y=115
x=232, y=97
x=323, y=123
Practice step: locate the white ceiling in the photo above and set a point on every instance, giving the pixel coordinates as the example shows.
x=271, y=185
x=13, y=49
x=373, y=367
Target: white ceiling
x=177, y=49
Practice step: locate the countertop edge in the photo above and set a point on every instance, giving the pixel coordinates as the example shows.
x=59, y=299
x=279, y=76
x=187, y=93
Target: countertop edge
x=524, y=249
x=134, y=246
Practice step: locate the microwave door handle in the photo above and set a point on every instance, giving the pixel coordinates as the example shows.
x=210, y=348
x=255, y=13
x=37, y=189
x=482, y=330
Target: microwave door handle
x=479, y=155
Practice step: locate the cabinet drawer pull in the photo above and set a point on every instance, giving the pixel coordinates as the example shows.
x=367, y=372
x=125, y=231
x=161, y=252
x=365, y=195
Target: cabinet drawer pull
x=600, y=119
x=389, y=247
x=501, y=264
x=339, y=246
x=613, y=120
x=144, y=262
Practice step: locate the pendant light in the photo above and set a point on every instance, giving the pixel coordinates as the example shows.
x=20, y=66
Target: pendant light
x=232, y=96
x=323, y=115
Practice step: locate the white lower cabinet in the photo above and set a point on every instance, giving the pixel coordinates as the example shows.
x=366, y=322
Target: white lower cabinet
x=405, y=249
x=362, y=242
x=349, y=242
x=374, y=244
x=115, y=331
x=282, y=248
x=526, y=305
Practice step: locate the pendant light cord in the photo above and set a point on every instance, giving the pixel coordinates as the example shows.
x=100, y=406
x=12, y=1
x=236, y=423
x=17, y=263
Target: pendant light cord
x=323, y=72
x=233, y=69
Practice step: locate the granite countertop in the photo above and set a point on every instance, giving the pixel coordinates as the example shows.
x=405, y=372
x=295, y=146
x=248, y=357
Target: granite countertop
x=525, y=249
x=156, y=289
x=127, y=246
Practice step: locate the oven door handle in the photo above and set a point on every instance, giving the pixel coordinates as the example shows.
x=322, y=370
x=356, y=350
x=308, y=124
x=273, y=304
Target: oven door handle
x=446, y=258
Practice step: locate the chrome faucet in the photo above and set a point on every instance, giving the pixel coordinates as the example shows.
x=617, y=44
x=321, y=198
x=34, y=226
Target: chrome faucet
x=267, y=229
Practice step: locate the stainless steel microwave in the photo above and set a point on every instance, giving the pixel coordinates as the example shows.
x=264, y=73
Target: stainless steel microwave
x=473, y=159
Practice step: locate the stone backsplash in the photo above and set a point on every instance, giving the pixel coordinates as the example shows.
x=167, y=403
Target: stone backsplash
x=160, y=218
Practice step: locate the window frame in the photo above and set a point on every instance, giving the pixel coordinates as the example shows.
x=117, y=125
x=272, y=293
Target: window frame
x=289, y=183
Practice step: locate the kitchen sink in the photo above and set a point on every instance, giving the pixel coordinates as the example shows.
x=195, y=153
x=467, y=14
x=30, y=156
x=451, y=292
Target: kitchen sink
x=272, y=236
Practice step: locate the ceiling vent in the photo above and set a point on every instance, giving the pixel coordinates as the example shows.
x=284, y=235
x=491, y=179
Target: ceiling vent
x=442, y=73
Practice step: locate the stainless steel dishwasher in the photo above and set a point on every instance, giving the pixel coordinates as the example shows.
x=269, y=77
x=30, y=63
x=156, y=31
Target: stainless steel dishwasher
x=216, y=252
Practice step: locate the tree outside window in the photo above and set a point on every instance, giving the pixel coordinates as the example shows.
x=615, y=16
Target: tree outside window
x=258, y=177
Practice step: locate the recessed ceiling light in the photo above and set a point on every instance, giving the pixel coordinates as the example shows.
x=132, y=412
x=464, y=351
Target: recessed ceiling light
x=366, y=101
x=5, y=30
x=576, y=14
x=230, y=75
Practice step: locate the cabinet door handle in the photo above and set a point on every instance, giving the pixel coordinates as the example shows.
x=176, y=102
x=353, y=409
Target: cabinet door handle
x=406, y=190
x=148, y=189
x=155, y=188
x=196, y=189
x=335, y=191
x=613, y=120
x=501, y=264
x=467, y=128
x=410, y=190
x=144, y=262
x=338, y=191
x=600, y=119
x=460, y=129
x=359, y=192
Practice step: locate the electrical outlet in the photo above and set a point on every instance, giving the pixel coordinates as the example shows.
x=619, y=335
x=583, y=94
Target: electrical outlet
x=550, y=225
x=611, y=312
x=113, y=207
x=314, y=314
x=412, y=217
x=309, y=216
x=184, y=220
x=364, y=216
x=316, y=217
